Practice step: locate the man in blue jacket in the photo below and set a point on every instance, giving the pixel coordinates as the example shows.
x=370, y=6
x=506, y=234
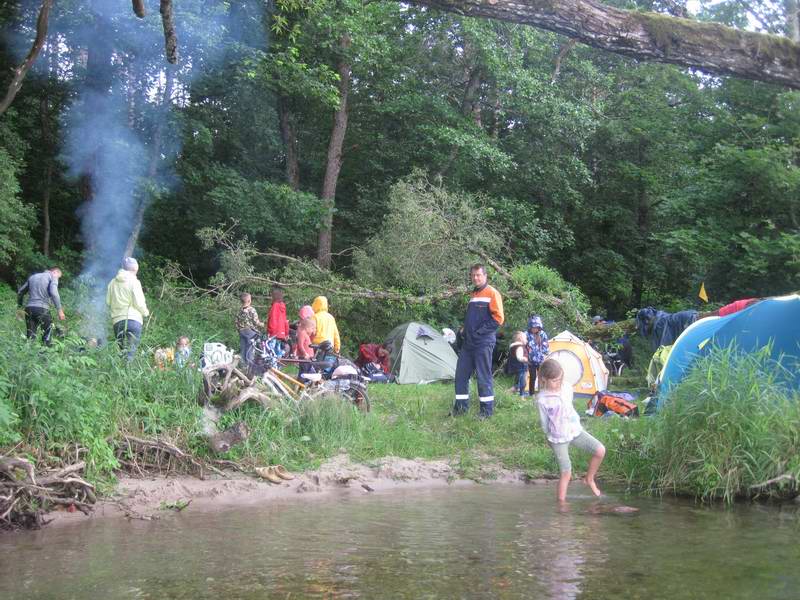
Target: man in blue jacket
x=484, y=317
x=42, y=289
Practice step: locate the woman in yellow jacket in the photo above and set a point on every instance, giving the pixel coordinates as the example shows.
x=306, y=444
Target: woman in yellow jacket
x=326, y=324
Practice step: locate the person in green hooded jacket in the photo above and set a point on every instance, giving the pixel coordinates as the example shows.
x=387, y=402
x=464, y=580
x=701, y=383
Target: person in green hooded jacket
x=127, y=306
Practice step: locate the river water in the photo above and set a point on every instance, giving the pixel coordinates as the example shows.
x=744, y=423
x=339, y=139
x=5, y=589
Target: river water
x=461, y=542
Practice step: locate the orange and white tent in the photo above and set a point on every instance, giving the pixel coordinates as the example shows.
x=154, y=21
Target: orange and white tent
x=583, y=366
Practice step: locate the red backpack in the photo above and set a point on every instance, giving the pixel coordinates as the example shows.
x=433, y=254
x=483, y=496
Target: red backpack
x=604, y=402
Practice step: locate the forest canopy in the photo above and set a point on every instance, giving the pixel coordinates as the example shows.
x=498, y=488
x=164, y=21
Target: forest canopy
x=364, y=135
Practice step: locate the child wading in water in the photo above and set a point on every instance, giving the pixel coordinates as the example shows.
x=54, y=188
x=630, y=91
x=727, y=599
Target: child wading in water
x=562, y=426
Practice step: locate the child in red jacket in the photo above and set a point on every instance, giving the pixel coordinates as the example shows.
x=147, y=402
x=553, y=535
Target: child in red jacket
x=277, y=323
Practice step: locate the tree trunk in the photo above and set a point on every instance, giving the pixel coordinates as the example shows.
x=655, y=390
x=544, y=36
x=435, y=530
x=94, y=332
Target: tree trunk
x=643, y=224
x=334, y=162
x=48, y=181
x=289, y=137
x=469, y=102
x=138, y=8
x=562, y=53
x=470, y=105
x=98, y=80
x=710, y=47
x=152, y=170
x=792, y=20
x=47, y=142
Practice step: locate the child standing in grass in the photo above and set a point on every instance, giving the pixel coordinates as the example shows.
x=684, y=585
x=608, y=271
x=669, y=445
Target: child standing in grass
x=183, y=352
x=538, y=348
x=277, y=323
x=305, y=333
x=518, y=362
x=562, y=426
x=247, y=323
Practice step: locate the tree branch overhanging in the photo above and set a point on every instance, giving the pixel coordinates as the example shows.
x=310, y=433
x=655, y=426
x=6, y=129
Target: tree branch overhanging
x=22, y=70
x=170, y=37
x=709, y=47
x=138, y=8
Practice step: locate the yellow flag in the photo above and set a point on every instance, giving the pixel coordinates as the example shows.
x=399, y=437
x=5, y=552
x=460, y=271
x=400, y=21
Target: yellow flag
x=702, y=292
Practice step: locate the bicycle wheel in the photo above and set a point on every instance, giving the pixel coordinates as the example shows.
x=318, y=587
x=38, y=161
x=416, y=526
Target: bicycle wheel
x=358, y=396
x=254, y=360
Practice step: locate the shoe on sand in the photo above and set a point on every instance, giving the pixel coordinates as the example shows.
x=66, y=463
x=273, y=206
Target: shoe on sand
x=269, y=474
x=281, y=472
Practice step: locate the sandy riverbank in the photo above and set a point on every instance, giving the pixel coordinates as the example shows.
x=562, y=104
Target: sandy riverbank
x=149, y=498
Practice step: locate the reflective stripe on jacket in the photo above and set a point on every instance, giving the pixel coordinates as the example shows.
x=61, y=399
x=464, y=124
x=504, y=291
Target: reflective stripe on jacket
x=484, y=316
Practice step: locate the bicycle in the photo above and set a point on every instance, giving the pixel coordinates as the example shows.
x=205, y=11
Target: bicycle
x=612, y=357
x=338, y=375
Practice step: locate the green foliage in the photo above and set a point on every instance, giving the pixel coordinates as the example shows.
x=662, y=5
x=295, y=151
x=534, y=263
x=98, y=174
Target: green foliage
x=539, y=277
x=9, y=420
x=18, y=219
x=560, y=304
x=429, y=238
x=633, y=181
x=272, y=214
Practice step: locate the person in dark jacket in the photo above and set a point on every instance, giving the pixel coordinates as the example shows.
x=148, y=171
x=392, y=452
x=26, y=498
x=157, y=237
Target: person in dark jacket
x=42, y=290
x=484, y=316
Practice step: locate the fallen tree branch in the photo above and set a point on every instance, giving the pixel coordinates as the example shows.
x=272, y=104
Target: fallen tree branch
x=157, y=449
x=359, y=292
x=774, y=480
x=9, y=464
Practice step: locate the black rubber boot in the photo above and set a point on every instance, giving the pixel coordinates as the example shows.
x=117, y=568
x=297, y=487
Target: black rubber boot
x=460, y=408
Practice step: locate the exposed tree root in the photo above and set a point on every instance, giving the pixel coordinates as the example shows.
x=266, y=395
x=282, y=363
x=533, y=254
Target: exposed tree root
x=24, y=498
x=140, y=457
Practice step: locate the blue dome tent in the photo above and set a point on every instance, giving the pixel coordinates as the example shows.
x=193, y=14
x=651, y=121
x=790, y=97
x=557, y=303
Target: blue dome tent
x=774, y=322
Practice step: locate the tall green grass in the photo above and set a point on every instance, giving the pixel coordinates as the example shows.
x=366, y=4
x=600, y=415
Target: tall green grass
x=730, y=425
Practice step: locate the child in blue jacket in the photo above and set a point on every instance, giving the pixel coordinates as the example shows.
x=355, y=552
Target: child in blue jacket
x=538, y=348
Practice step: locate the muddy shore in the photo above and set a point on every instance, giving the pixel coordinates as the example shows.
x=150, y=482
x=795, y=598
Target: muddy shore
x=155, y=497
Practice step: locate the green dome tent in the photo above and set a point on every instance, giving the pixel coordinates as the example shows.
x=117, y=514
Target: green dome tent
x=419, y=354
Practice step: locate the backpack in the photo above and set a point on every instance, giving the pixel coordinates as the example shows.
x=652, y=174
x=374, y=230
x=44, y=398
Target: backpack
x=620, y=403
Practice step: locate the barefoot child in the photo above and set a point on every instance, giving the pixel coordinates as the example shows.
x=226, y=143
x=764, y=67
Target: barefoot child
x=562, y=426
